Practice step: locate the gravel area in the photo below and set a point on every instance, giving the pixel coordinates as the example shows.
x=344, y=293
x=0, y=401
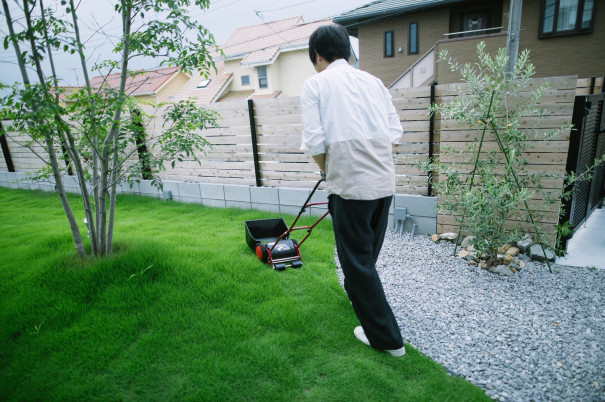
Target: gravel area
x=531, y=336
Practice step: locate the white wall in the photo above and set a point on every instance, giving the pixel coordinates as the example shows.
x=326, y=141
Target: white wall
x=235, y=67
x=295, y=68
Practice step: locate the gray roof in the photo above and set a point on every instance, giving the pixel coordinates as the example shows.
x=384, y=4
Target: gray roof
x=386, y=8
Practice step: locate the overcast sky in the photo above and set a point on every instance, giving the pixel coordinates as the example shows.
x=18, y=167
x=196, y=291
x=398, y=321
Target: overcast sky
x=100, y=25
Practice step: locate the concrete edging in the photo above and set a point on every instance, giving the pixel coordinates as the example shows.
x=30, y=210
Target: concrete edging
x=278, y=200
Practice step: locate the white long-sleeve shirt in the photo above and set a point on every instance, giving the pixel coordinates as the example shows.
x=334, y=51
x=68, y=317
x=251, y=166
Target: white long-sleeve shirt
x=348, y=114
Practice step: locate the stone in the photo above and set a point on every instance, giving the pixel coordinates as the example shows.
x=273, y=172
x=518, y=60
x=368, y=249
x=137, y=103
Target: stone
x=435, y=238
x=514, y=266
x=484, y=264
x=500, y=269
x=522, y=264
x=448, y=236
x=503, y=249
x=513, y=251
x=524, y=243
x=535, y=253
x=523, y=257
x=508, y=258
x=471, y=257
x=463, y=253
x=467, y=241
x=471, y=248
x=473, y=263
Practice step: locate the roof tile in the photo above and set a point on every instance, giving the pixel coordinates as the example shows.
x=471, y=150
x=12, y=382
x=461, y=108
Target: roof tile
x=143, y=82
x=269, y=37
x=218, y=80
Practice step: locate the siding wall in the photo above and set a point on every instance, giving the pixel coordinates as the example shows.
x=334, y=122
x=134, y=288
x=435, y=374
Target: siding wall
x=431, y=27
x=580, y=55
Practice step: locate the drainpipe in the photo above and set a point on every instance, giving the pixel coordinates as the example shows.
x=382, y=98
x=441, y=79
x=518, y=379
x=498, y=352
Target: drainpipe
x=512, y=36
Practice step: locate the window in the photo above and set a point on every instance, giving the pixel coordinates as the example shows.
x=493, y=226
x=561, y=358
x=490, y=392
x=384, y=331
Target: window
x=203, y=84
x=476, y=19
x=262, y=76
x=561, y=17
x=413, y=38
x=389, y=46
x=245, y=80
x=475, y=22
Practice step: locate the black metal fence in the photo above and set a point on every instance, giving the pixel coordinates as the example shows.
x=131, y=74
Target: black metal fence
x=587, y=143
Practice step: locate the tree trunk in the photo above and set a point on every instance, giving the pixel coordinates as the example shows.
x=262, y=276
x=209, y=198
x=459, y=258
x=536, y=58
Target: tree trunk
x=11, y=31
x=75, y=231
x=115, y=128
x=93, y=220
x=112, y=198
x=68, y=143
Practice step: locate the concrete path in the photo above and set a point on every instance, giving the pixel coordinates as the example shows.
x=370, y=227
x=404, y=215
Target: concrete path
x=587, y=246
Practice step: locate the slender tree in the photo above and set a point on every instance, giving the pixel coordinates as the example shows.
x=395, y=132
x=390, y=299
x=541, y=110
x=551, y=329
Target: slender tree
x=90, y=126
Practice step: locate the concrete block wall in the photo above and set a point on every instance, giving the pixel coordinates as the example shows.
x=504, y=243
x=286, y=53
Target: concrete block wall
x=422, y=208
x=270, y=199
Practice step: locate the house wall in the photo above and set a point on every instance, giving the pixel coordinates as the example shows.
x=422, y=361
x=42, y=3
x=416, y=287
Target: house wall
x=287, y=74
x=172, y=87
x=295, y=68
x=235, y=67
x=273, y=79
x=464, y=50
x=148, y=99
x=431, y=27
x=582, y=54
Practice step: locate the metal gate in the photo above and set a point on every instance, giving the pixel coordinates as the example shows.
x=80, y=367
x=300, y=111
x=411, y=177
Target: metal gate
x=586, y=143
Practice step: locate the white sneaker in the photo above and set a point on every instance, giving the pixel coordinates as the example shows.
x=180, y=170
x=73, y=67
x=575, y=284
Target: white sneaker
x=361, y=336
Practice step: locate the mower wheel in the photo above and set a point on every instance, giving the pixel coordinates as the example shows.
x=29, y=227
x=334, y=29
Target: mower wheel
x=261, y=252
x=279, y=267
x=297, y=264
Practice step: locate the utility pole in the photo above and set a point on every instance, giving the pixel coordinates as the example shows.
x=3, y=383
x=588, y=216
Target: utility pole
x=512, y=36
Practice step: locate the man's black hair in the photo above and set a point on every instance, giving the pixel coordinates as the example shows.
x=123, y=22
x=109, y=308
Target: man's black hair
x=331, y=42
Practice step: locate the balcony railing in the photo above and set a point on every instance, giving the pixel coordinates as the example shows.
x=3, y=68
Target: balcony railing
x=483, y=31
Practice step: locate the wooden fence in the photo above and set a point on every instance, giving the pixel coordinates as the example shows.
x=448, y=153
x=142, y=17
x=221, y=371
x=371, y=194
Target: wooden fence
x=278, y=128
x=544, y=155
x=277, y=123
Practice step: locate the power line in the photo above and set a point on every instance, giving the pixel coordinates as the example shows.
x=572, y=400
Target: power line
x=293, y=5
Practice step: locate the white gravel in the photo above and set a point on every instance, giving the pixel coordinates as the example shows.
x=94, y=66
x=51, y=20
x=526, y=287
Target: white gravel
x=531, y=336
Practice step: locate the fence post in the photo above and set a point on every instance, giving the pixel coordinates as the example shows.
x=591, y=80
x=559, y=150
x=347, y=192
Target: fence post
x=431, y=139
x=139, y=139
x=593, y=81
x=5, y=150
x=254, y=144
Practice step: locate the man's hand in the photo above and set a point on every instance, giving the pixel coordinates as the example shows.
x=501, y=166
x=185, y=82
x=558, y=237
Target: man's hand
x=321, y=162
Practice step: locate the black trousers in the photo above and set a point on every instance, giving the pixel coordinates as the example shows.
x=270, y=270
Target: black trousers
x=359, y=228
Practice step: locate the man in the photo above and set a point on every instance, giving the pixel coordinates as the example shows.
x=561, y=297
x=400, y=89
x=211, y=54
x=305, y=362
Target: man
x=349, y=125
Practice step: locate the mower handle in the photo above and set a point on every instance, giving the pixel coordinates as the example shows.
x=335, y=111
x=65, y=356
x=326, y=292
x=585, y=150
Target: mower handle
x=302, y=210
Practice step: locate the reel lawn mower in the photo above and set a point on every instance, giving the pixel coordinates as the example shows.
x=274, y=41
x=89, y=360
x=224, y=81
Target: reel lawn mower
x=270, y=238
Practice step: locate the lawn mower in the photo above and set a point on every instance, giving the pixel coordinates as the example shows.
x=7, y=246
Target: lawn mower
x=270, y=238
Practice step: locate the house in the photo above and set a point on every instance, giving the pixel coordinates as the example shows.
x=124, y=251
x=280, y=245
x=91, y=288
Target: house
x=260, y=61
x=154, y=86
x=399, y=40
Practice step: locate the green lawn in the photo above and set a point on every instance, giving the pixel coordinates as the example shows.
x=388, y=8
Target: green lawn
x=184, y=310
